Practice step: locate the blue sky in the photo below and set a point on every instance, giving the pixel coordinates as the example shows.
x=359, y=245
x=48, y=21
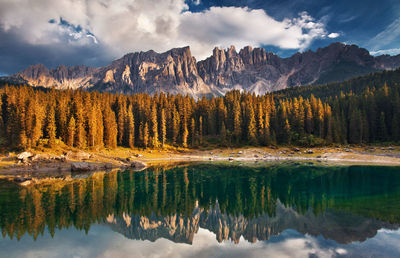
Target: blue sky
x=358, y=22
x=94, y=32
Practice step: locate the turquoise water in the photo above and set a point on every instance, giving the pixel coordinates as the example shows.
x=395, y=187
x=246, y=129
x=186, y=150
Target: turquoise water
x=207, y=210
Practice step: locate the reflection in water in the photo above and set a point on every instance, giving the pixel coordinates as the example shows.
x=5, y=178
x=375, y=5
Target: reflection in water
x=344, y=204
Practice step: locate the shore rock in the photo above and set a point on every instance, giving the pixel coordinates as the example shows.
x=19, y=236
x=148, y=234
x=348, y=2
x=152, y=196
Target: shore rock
x=80, y=155
x=81, y=166
x=137, y=165
x=24, y=156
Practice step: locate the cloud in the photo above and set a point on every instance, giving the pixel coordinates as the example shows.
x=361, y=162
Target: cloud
x=333, y=35
x=121, y=26
x=387, y=36
x=225, y=26
x=392, y=52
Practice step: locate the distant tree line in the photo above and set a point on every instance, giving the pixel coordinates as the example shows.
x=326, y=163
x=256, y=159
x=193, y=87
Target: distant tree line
x=29, y=118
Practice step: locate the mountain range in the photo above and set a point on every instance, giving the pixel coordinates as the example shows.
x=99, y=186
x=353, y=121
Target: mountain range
x=177, y=71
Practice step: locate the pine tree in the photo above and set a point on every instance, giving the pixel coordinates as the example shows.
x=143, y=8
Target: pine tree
x=223, y=134
x=154, y=127
x=201, y=130
x=237, y=122
x=51, y=127
x=266, y=133
x=92, y=126
x=382, y=129
x=80, y=125
x=146, y=135
x=130, y=129
x=185, y=134
x=71, y=132
x=260, y=123
x=286, y=132
x=175, y=126
x=308, y=118
x=355, y=126
x=121, y=120
x=193, y=132
x=251, y=127
x=163, y=128
x=110, y=128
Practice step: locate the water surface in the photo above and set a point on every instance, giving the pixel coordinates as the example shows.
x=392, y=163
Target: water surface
x=203, y=210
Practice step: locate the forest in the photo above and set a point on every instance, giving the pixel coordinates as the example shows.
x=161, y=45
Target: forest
x=359, y=111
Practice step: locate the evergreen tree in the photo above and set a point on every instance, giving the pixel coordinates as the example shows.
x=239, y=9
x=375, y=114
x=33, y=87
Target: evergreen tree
x=237, y=122
x=251, y=127
x=154, y=127
x=382, y=129
x=185, y=134
x=110, y=128
x=163, y=128
x=130, y=129
x=51, y=127
x=175, y=126
x=71, y=132
x=146, y=135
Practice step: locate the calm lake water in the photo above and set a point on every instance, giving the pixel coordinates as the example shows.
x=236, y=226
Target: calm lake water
x=207, y=210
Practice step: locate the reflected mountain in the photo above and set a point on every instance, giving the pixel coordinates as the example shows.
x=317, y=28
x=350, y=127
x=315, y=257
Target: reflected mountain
x=344, y=204
x=341, y=227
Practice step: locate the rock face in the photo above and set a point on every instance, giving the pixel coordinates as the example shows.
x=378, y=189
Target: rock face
x=176, y=71
x=61, y=78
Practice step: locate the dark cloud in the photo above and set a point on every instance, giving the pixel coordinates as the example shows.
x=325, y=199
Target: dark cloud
x=16, y=54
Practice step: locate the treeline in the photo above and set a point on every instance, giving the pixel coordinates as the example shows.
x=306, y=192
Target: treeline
x=29, y=118
x=356, y=85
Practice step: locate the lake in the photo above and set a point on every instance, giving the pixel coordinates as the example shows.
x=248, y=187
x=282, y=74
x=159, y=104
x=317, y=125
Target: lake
x=207, y=210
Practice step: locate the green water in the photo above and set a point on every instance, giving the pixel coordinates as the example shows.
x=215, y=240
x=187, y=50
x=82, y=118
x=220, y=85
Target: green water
x=203, y=210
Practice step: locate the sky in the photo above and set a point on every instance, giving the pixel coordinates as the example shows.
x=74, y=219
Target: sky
x=95, y=32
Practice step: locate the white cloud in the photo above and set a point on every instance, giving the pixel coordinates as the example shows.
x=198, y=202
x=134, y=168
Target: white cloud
x=333, y=35
x=125, y=26
x=387, y=36
x=392, y=52
x=225, y=26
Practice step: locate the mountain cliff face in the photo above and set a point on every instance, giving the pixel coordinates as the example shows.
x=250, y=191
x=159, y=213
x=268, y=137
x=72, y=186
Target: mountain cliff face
x=177, y=71
x=339, y=226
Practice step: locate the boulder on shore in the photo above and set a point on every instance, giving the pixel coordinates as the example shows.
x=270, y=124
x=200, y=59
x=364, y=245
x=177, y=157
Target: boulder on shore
x=137, y=165
x=80, y=155
x=81, y=166
x=24, y=156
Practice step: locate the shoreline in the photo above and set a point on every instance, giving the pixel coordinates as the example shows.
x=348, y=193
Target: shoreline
x=49, y=164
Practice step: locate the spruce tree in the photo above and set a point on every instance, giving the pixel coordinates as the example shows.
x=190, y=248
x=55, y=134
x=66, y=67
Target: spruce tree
x=130, y=129
x=154, y=127
x=185, y=134
x=163, y=128
x=251, y=127
x=237, y=122
x=71, y=132
x=146, y=135
x=51, y=127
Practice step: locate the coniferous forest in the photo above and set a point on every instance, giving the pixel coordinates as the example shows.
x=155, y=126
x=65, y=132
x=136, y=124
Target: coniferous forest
x=359, y=111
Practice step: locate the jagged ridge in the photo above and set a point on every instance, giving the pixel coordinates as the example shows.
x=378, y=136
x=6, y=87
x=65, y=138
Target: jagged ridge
x=177, y=71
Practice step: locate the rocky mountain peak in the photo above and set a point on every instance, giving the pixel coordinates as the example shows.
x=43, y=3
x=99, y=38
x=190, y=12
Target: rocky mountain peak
x=177, y=71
